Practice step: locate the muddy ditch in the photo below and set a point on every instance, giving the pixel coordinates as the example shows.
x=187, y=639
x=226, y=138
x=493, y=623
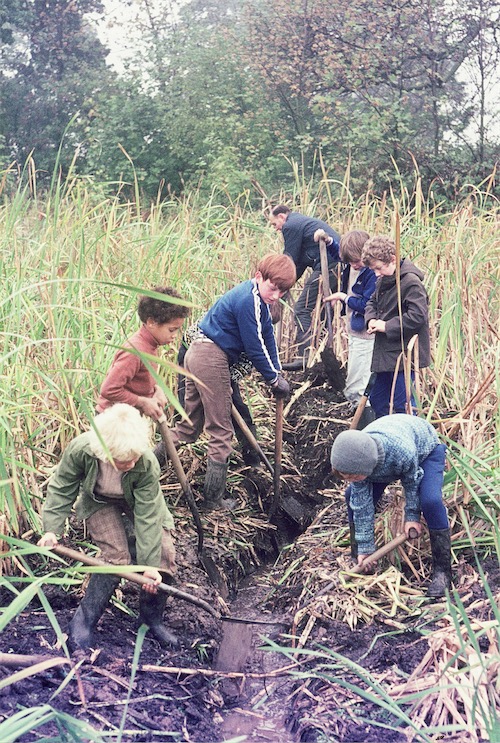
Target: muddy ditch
x=228, y=679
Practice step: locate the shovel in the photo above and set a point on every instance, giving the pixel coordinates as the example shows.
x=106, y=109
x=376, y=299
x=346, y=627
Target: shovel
x=133, y=577
x=278, y=451
x=362, y=417
x=205, y=560
x=384, y=550
x=377, y=555
x=138, y=578
x=332, y=365
x=325, y=279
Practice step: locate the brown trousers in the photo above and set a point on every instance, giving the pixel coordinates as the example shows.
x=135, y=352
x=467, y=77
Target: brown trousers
x=208, y=400
x=110, y=530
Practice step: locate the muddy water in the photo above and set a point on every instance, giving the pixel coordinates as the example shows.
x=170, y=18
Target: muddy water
x=254, y=708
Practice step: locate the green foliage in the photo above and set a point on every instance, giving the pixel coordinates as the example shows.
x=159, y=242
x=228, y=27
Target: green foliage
x=54, y=67
x=27, y=720
x=224, y=93
x=374, y=83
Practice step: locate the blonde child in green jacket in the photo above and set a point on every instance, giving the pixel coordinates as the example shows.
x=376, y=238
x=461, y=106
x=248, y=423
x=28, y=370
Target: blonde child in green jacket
x=112, y=477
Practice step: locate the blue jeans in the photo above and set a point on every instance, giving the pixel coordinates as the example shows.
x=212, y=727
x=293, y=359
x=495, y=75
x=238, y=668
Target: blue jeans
x=380, y=395
x=430, y=490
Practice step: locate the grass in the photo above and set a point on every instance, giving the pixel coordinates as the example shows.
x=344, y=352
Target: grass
x=73, y=262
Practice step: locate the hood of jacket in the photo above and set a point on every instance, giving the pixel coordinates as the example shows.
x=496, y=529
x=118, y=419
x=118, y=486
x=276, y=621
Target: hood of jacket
x=406, y=268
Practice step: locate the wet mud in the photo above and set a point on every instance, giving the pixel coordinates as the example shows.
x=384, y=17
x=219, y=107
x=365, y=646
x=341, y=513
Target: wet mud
x=227, y=680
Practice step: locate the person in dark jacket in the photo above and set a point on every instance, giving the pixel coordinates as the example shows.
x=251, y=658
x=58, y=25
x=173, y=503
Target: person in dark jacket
x=113, y=477
x=396, y=447
x=393, y=331
x=358, y=284
x=301, y=238
x=240, y=321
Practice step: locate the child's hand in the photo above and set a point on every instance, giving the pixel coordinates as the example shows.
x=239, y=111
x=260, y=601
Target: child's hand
x=280, y=388
x=155, y=577
x=49, y=539
x=160, y=396
x=150, y=406
x=376, y=326
x=365, y=562
x=412, y=525
x=336, y=297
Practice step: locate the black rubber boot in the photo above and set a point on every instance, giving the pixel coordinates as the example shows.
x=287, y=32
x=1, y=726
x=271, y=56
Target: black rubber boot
x=250, y=456
x=161, y=454
x=215, y=484
x=352, y=539
x=151, y=607
x=441, y=562
x=97, y=596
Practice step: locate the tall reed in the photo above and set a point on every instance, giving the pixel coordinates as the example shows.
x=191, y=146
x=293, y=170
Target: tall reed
x=73, y=263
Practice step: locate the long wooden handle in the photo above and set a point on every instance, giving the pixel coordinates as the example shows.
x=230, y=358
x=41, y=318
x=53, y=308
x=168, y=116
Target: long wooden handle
x=325, y=279
x=172, y=453
x=181, y=476
x=362, y=403
x=384, y=550
x=251, y=438
x=133, y=577
x=278, y=451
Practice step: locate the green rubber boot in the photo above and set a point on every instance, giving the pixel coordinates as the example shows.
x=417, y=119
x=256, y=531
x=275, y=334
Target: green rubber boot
x=91, y=608
x=151, y=608
x=215, y=486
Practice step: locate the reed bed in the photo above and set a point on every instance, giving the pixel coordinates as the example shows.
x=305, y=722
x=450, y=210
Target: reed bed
x=73, y=262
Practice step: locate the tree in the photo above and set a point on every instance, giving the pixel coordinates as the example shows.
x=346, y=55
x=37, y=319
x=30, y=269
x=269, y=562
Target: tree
x=52, y=66
x=194, y=112
x=369, y=82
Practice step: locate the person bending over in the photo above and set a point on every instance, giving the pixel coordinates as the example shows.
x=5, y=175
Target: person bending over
x=113, y=477
x=396, y=447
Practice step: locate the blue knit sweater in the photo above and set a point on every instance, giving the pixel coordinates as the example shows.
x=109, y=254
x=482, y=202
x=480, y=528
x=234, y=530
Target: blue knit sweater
x=403, y=442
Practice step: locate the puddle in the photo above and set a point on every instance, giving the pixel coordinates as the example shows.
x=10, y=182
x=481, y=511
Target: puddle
x=240, y=651
x=255, y=727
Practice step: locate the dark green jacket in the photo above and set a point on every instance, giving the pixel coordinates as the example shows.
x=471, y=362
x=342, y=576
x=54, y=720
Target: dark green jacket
x=74, y=480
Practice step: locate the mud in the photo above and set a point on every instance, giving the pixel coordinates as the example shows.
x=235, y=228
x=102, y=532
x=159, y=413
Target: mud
x=263, y=703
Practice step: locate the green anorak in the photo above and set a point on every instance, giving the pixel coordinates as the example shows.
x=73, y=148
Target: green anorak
x=74, y=481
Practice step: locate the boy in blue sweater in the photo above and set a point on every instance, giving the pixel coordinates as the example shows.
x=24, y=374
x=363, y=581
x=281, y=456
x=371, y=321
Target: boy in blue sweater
x=358, y=284
x=239, y=322
x=397, y=447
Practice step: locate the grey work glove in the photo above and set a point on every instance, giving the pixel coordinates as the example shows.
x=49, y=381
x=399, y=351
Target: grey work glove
x=280, y=388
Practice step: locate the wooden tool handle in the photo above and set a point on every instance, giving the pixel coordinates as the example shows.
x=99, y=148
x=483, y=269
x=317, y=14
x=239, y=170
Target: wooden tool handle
x=384, y=550
x=362, y=403
x=181, y=476
x=172, y=452
x=78, y=556
x=278, y=451
x=325, y=280
x=251, y=438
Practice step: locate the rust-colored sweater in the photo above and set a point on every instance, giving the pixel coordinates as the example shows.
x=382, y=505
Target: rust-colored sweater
x=128, y=377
